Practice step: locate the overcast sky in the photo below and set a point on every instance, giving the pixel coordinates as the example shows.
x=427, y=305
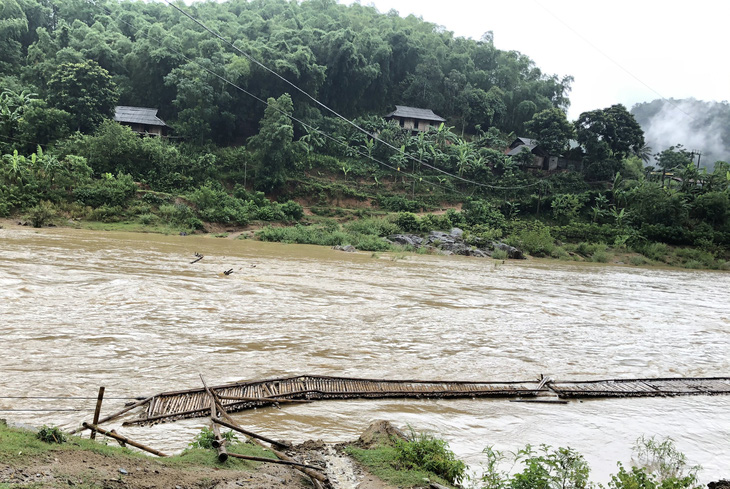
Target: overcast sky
x=670, y=48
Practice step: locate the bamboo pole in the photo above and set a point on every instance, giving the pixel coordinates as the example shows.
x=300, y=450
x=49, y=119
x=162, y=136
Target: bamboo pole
x=281, y=400
x=318, y=480
x=251, y=434
x=273, y=461
x=97, y=411
x=123, y=439
x=115, y=415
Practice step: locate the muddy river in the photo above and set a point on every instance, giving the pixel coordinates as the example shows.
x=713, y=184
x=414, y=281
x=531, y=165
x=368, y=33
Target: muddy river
x=82, y=309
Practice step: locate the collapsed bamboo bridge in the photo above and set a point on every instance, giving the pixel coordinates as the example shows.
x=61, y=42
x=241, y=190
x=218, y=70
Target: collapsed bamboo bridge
x=217, y=402
x=243, y=395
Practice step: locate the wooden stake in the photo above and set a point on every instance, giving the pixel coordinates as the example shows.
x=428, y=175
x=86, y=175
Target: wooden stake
x=124, y=439
x=318, y=480
x=98, y=410
x=115, y=415
x=251, y=434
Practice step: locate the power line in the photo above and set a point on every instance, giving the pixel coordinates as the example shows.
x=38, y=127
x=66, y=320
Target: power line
x=304, y=124
x=669, y=101
x=72, y=398
x=338, y=115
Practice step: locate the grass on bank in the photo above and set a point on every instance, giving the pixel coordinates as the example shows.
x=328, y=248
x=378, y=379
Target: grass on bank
x=18, y=447
x=414, y=462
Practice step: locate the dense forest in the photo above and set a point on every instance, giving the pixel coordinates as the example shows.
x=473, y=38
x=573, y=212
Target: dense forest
x=276, y=109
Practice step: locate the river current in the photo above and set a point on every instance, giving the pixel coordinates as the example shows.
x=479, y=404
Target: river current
x=83, y=309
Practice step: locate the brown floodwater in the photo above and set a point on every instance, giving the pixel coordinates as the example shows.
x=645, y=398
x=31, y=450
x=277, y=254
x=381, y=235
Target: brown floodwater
x=82, y=309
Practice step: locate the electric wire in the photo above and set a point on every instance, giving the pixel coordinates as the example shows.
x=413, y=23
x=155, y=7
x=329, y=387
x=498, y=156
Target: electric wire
x=600, y=51
x=338, y=115
x=290, y=116
x=73, y=398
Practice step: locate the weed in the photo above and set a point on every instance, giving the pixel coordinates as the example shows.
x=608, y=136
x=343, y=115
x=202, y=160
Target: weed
x=424, y=451
x=499, y=254
x=205, y=438
x=51, y=434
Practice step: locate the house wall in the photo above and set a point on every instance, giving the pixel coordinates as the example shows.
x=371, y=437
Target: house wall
x=146, y=130
x=413, y=124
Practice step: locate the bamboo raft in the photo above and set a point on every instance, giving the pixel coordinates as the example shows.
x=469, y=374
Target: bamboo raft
x=240, y=396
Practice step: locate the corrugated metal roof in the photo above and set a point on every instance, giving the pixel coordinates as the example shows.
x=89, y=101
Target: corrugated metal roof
x=415, y=113
x=137, y=115
x=519, y=149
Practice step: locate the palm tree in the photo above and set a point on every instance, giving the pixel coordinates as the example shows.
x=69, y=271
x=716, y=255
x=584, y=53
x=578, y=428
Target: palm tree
x=644, y=152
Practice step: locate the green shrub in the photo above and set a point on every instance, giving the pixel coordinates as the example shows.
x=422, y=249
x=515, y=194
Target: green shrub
x=206, y=437
x=109, y=191
x=560, y=253
x=655, y=251
x=105, y=213
x=536, y=242
x=155, y=199
x=407, y=222
x=601, y=256
x=432, y=222
x=426, y=452
x=292, y=210
x=51, y=434
x=499, y=254
x=41, y=213
x=638, y=261
x=399, y=204
x=376, y=226
x=148, y=219
x=181, y=215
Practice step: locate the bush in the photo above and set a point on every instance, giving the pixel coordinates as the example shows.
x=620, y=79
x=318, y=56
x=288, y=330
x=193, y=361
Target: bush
x=110, y=191
x=537, y=242
x=408, y=222
x=377, y=226
x=292, y=210
x=206, y=437
x=425, y=452
x=499, y=254
x=51, y=434
x=399, y=204
x=105, y=213
x=41, y=213
x=655, y=251
x=546, y=468
x=181, y=215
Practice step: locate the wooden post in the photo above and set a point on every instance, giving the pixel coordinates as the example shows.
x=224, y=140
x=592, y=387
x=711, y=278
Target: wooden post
x=124, y=439
x=115, y=415
x=219, y=443
x=98, y=410
x=251, y=434
x=318, y=480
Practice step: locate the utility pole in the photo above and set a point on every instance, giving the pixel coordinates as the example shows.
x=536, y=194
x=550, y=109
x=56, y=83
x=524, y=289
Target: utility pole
x=698, y=154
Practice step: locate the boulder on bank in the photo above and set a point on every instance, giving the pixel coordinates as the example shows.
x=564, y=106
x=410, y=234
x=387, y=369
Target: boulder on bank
x=452, y=243
x=512, y=252
x=379, y=432
x=721, y=484
x=346, y=248
x=406, y=240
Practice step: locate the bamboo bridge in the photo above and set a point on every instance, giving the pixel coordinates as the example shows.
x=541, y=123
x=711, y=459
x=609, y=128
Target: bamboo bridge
x=240, y=396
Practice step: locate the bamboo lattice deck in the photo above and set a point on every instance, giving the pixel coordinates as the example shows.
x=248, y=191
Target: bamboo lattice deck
x=239, y=396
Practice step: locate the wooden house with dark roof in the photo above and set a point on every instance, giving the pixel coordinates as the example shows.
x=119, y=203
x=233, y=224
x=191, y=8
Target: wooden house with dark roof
x=142, y=120
x=541, y=159
x=414, y=119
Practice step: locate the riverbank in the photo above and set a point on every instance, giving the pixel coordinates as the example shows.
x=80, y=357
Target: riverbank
x=27, y=461
x=368, y=236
